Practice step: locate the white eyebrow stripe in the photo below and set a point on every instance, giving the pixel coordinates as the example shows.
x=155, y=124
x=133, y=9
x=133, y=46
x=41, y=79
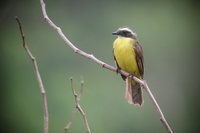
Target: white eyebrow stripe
x=127, y=29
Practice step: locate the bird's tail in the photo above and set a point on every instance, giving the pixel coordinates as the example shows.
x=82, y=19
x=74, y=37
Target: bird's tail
x=133, y=92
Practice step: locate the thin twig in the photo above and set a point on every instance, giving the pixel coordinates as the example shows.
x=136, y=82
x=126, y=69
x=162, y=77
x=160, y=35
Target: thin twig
x=104, y=65
x=73, y=114
x=37, y=73
x=78, y=107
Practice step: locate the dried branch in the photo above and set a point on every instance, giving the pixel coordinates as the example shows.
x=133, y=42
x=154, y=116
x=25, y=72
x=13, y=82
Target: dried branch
x=37, y=73
x=78, y=108
x=104, y=65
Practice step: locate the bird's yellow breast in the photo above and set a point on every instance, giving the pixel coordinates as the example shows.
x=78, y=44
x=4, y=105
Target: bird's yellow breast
x=125, y=55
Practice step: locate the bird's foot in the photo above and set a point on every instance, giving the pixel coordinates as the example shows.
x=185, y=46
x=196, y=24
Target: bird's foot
x=131, y=76
x=117, y=70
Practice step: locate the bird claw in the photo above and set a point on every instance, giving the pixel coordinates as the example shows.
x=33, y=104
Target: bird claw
x=131, y=76
x=117, y=70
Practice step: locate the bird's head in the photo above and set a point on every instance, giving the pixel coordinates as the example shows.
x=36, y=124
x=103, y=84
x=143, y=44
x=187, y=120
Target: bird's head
x=125, y=32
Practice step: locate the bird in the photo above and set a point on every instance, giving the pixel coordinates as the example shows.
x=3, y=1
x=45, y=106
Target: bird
x=128, y=56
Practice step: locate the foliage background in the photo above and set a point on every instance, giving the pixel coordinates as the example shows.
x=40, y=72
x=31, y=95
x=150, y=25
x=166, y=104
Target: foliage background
x=168, y=31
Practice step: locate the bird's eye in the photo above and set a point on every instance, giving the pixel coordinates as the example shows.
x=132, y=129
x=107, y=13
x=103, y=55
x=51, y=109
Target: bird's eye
x=124, y=32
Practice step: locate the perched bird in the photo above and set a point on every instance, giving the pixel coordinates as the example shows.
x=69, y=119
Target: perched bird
x=128, y=55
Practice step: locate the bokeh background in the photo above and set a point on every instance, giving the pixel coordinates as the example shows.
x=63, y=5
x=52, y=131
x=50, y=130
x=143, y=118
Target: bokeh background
x=168, y=32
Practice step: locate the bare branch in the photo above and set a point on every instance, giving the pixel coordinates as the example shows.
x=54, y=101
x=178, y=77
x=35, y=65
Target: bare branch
x=78, y=107
x=73, y=114
x=104, y=65
x=37, y=73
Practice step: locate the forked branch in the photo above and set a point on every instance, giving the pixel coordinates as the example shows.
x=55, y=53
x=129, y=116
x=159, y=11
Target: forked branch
x=104, y=65
x=77, y=108
x=39, y=80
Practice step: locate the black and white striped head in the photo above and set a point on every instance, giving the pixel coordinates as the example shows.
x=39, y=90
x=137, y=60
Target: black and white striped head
x=125, y=32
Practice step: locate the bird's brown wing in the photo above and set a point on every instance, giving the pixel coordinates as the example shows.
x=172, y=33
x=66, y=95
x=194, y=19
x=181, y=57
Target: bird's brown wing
x=139, y=58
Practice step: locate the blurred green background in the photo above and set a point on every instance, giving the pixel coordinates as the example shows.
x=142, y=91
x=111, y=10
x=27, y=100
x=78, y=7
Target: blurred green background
x=168, y=32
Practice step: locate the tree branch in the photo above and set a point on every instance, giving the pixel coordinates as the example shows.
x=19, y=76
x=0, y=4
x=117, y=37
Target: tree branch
x=37, y=73
x=78, y=107
x=104, y=65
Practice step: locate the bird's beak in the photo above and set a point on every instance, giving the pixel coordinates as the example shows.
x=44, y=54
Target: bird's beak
x=115, y=33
